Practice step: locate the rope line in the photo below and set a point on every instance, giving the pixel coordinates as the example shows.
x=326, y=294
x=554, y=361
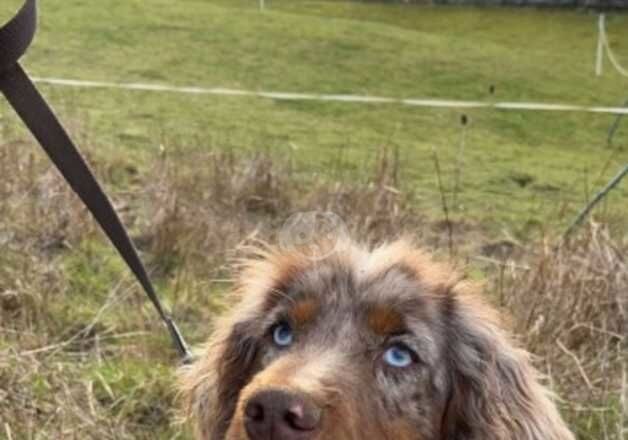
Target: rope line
x=603, y=44
x=357, y=99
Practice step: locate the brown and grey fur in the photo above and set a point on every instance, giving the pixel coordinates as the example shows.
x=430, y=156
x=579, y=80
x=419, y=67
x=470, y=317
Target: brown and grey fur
x=469, y=382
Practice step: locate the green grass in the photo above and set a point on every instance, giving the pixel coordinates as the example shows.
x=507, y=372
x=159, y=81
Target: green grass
x=343, y=47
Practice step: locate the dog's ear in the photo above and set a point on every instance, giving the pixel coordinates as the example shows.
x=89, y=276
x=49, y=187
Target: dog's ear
x=494, y=390
x=210, y=387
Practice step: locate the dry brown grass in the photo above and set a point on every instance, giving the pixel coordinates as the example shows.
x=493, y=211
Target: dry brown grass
x=82, y=356
x=571, y=309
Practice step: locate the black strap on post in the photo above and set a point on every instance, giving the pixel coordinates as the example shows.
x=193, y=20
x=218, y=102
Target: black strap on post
x=15, y=37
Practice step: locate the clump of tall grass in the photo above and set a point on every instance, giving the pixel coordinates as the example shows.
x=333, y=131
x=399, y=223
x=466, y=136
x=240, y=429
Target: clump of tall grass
x=571, y=309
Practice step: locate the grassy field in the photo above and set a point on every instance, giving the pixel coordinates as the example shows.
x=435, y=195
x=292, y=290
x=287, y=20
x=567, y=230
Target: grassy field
x=518, y=169
x=81, y=355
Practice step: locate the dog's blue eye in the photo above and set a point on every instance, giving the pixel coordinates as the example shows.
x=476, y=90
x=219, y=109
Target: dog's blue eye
x=282, y=335
x=398, y=356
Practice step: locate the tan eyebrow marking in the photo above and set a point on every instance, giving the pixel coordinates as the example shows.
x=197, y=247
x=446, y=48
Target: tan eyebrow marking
x=304, y=311
x=385, y=320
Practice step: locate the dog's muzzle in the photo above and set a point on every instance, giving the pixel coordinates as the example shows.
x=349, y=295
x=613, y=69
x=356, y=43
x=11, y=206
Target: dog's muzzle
x=275, y=414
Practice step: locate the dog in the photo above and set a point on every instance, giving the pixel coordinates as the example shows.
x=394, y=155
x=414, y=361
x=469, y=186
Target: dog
x=363, y=345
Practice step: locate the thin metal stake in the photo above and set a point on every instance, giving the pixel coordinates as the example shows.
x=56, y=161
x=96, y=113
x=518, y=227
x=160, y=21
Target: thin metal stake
x=598, y=197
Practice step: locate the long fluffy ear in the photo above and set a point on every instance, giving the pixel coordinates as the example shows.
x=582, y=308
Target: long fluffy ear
x=210, y=387
x=495, y=393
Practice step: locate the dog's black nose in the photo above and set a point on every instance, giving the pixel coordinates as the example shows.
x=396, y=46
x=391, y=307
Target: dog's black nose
x=281, y=415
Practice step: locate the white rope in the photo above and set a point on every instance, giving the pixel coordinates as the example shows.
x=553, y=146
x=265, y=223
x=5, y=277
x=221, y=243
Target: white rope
x=604, y=44
x=357, y=99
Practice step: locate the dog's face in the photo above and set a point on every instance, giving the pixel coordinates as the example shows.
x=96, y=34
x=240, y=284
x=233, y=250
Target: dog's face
x=356, y=346
x=335, y=345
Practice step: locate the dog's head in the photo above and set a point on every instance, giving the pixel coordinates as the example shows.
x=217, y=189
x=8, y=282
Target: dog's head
x=363, y=345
